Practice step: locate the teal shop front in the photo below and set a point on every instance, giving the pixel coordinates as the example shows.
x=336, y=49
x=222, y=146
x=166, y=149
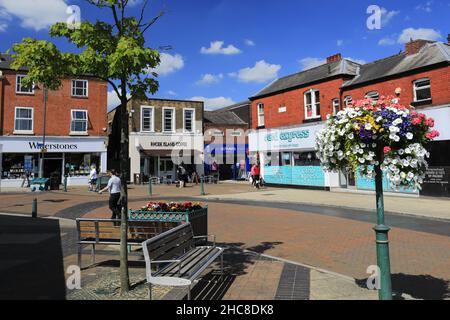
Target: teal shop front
x=287, y=156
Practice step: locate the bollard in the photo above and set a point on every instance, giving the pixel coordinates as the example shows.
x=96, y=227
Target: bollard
x=150, y=191
x=202, y=186
x=34, y=208
x=65, y=183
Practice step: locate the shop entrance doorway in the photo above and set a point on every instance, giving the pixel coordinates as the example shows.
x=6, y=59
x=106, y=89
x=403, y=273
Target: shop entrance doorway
x=53, y=166
x=166, y=169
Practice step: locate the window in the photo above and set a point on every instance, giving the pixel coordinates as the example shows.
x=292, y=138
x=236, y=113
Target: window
x=23, y=89
x=422, y=90
x=374, y=95
x=335, y=106
x=312, y=104
x=306, y=159
x=79, y=88
x=189, y=120
x=348, y=101
x=261, y=118
x=147, y=119
x=23, y=120
x=286, y=159
x=79, y=121
x=168, y=119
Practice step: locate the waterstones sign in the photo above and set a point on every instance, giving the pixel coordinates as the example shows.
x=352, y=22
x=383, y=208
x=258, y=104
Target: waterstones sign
x=55, y=145
x=284, y=139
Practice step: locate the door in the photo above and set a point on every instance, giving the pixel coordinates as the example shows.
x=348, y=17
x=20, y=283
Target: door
x=166, y=169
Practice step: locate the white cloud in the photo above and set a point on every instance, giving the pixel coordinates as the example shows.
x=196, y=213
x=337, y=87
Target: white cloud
x=425, y=7
x=216, y=47
x=214, y=103
x=387, y=16
x=36, y=14
x=210, y=79
x=113, y=99
x=340, y=43
x=250, y=43
x=172, y=93
x=387, y=41
x=169, y=64
x=310, y=62
x=420, y=33
x=261, y=72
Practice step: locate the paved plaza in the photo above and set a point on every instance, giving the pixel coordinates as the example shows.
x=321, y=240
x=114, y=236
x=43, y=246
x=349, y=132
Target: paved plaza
x=302, y=245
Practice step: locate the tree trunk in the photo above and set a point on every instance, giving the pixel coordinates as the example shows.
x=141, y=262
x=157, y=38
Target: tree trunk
x=124, y=155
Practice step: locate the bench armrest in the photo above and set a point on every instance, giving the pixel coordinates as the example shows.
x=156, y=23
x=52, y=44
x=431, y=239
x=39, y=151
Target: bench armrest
x=207, y=237
x=178, y=262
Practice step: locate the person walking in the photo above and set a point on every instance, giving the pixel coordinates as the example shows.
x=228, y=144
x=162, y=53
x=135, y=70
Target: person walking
x=93, y=179
x=256, y=175
x=114, y=186
x=182, y=175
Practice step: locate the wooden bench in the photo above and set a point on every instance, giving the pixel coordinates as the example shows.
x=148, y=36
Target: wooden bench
x=178, y=261
x=92, y=232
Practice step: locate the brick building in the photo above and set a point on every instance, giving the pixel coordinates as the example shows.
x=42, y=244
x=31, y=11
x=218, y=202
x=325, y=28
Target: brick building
x=163, y=134
x=287, y=113
x=226, y=140
x=75, y=127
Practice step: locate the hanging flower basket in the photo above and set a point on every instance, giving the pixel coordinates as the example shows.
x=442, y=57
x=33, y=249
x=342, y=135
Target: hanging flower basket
x=383, y=132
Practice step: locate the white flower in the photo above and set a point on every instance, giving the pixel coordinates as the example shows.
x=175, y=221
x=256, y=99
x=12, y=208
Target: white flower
x=409, y=136
x=351, y=136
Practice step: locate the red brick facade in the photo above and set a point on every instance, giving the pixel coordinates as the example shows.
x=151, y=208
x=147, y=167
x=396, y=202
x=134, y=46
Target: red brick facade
x=59, y=106
x=293, y=100
x=439, y=79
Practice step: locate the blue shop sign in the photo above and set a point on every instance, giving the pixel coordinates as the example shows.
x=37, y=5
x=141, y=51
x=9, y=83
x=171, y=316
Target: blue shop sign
x=226, y=148
x=288, y=136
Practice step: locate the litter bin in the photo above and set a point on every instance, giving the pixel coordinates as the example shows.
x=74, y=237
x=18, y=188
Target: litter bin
x=55, y=181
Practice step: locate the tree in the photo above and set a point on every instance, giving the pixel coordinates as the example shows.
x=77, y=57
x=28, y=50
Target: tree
x=113, y=52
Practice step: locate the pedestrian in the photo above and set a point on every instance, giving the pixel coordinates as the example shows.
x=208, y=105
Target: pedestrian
x=114, y=186
x=194, y=177
x=256, y=175
x=93, y=179
x=182, y=175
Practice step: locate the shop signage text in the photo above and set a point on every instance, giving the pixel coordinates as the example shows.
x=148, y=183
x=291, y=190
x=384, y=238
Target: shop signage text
x=52, y=146
x=288, y=136
x=169, y=144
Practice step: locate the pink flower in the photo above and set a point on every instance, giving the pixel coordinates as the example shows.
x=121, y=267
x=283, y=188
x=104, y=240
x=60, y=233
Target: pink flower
x=414, y=114
x=422, y=116
x=387, y=149
x=430, y=122
x=416, y=121
x=432, y=134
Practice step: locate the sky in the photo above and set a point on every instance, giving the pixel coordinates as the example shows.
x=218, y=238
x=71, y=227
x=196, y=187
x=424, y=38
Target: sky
x=224, y=51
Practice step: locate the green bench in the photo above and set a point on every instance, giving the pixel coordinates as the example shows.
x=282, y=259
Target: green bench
x=43, y=183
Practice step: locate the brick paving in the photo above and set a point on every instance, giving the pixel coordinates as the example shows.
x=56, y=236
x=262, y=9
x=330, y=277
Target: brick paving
x=420, y=261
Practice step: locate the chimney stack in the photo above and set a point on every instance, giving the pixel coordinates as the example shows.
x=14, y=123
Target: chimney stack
x=414, y=46
x=334, y=58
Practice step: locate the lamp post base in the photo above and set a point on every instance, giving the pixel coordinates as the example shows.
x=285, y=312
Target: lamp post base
x=382, y=240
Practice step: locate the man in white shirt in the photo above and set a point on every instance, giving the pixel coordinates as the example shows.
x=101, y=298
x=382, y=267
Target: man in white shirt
x=114, y=186
x=93, y=179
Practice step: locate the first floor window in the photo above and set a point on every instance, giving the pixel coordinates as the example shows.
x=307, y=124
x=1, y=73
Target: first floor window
x=146, y=119
x=23, y=119
x=261, y=119
x=168, y=120
x=374, y=95
x=335, y=106
x=422, y=90
x=21, y=88
x=79, y=121
x=189, y=118
x=312, y=104
x=79, y=88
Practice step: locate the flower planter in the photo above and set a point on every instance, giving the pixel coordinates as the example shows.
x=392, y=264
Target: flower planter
x=198, y=218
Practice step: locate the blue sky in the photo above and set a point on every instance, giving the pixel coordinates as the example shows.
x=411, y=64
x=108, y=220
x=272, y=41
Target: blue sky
x=226, y=50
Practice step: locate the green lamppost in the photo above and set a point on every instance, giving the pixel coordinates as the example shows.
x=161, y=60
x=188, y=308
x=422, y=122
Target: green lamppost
x=375, y=136
x=382, y=240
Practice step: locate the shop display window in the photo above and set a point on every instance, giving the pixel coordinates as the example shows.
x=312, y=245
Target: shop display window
x=79, y=164
x=17, y=166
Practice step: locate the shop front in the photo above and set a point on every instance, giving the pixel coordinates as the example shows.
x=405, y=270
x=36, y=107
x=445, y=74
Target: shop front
x=232, y=160
x=157, y=156
x=64, y=155
x=287, y=157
